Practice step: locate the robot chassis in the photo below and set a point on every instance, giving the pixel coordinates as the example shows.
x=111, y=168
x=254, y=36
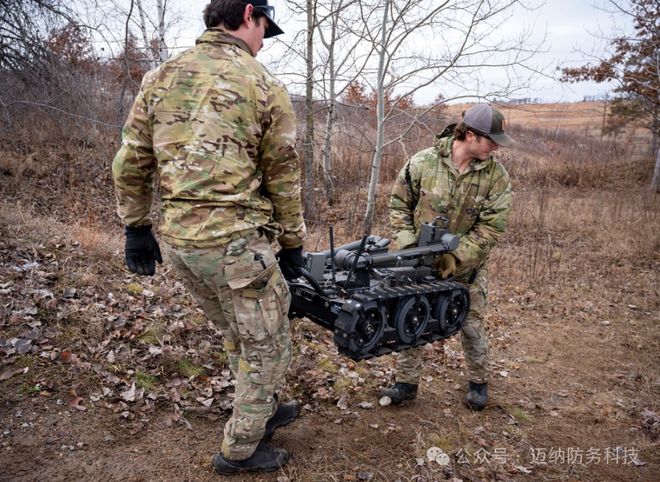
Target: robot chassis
x=376, y=302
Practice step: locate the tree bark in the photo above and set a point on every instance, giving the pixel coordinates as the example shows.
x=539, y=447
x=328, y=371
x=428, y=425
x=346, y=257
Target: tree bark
x=162, y=46
x=380, y=134
x=326, y=153
x=145, y=38
x=655, y=183
x=309, y=113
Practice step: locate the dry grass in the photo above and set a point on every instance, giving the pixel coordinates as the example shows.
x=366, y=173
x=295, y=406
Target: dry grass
x=21, y=222
x=554, y=232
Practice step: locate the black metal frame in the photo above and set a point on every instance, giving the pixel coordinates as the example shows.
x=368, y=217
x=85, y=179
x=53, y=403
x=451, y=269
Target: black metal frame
x=375, y=301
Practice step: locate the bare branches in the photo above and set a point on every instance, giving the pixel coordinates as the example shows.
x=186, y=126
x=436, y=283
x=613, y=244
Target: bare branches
x=467, y=34
x=21, y=38
x=635, y=67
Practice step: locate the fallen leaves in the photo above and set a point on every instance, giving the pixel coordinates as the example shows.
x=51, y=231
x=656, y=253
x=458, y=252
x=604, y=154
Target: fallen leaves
x=11, y=372
x=143, y=340
x=78, y=403
x=131, y=394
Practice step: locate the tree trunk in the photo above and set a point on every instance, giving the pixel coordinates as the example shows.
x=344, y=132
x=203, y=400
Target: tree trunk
x=309, y=113
x=145, y=38
x=162, y=46
x=656, y=172
x=328, y=183
x=380, y=135
x=326, y=153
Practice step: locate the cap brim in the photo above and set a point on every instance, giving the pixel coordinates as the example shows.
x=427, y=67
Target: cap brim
x=272, y=29
x=502, y=139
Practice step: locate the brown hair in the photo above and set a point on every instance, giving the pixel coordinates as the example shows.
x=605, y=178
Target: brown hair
x=460, y=131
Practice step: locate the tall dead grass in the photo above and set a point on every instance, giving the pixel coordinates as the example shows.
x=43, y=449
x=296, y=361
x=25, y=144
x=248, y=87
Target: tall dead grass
x=545, y=157
x=559, y=233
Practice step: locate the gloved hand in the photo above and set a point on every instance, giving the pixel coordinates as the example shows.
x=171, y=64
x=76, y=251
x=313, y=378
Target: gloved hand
x=447, y=265
x=291, y=261
x=142, y=251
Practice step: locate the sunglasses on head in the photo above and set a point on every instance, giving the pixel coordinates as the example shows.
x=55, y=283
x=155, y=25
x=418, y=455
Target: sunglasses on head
x=269, y=10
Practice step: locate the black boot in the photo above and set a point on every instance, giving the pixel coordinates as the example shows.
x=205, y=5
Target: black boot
x=264, y=459
x=477, y=395
x=285, y=414
x=400, y=392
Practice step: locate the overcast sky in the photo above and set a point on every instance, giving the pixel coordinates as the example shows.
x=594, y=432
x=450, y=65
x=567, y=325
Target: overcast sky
x=574, y=32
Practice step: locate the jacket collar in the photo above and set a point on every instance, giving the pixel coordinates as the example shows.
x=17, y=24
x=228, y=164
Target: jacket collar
x=219, y=35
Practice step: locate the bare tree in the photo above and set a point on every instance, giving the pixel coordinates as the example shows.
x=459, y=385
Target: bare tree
x=22, y=39
x=466, y=44
x=155, y=47
x=342, y=63
x=156, y=22
x=145, y=38
x=309, y=107
x=418, y=45
x=634, y=67
x=160, y=30
x=48, y=68
x=334, y=57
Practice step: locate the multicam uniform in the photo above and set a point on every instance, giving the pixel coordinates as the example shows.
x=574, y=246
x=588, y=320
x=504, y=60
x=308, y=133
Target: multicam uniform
x=220, y=131
x=477, y=204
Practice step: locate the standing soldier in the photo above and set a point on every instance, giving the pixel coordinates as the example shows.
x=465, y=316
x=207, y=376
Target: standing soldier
x=457, y=179
x=219, y=130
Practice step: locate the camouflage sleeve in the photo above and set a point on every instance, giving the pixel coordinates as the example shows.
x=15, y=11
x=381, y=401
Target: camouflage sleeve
x=134, y=166
x=475, y=245
x=280, y=167
x=403, y=200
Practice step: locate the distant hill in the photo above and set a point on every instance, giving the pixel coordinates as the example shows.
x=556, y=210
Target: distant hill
x=585, y=117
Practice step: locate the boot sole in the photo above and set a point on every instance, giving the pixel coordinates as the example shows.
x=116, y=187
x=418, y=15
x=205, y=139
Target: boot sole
x=475, y=407
x=228, y=470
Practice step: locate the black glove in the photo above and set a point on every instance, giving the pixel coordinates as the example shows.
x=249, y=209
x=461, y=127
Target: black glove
x=142, y=251
x=291, y=261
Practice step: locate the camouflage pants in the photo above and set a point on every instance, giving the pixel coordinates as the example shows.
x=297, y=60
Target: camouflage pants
x=241, y=290
x=473, y=338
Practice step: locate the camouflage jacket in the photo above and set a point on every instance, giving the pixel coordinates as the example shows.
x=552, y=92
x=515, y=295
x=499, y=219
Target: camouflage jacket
x=476, y=202
x=220, y=131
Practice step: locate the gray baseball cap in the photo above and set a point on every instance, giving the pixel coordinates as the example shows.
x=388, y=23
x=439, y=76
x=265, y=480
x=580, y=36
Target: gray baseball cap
x=486, y=120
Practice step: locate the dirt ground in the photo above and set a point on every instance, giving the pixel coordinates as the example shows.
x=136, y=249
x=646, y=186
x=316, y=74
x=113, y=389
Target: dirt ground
x=574, y=396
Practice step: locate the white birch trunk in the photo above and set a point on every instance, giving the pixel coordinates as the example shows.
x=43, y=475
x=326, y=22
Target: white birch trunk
x=162, y=46
x=145, y=38
x=380, y=134
x=326, y=153
x=309, y=112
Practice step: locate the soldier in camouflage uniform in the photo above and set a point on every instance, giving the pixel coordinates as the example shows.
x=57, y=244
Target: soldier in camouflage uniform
x=219, y=131
x=458, y=179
